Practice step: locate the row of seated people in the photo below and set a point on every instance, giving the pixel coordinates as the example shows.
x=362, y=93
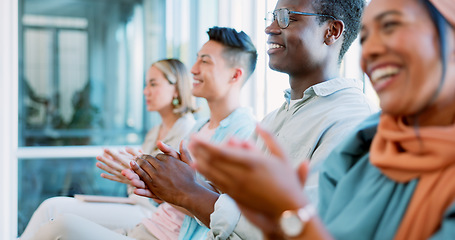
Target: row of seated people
x=364, y=174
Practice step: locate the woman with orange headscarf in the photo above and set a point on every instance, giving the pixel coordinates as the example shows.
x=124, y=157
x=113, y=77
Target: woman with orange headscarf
x=394, y=177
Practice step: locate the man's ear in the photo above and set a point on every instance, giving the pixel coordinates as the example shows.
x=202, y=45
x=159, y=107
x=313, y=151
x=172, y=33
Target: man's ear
x=334, y=32
x=238, y=75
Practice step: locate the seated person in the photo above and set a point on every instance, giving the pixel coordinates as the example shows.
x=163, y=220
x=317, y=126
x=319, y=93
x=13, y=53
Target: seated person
x=224, y=63
x=167, y=91
x=390, y=179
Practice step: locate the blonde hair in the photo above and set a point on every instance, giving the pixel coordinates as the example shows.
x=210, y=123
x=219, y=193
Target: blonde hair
x=177, y=74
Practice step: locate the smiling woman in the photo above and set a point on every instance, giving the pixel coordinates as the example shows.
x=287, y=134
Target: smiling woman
x=400, y=74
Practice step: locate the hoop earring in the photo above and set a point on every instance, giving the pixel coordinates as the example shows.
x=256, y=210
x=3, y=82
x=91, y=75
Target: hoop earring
x=175, y=102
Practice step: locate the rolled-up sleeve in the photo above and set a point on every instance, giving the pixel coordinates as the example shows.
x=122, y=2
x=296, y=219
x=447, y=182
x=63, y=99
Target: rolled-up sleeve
x=226, y=222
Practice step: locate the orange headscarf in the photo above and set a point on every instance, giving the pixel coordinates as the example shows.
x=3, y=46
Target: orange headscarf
x=402, y=155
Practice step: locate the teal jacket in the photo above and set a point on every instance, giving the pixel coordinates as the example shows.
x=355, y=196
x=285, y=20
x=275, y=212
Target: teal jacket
x=357, y=201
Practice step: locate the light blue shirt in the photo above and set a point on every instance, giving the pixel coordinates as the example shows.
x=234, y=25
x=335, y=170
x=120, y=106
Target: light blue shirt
x=241, y=124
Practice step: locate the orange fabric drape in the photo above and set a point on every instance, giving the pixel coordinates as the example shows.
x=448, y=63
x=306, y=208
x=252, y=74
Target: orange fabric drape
x=402, y=156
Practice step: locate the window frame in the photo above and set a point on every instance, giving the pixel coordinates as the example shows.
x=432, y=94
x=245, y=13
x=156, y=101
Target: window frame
x=9, y=73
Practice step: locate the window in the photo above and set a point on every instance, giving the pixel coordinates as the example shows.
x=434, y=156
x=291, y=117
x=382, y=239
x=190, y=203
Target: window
x=81, y=82
x=78, y=76
x=80, y=70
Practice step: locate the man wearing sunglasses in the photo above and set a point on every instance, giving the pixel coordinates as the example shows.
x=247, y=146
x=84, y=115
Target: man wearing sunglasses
x=307, y=40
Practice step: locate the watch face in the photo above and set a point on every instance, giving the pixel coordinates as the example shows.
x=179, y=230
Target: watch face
x=291, y=224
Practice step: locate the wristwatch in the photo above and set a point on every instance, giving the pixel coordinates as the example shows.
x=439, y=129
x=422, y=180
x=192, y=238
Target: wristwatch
x=292, y=222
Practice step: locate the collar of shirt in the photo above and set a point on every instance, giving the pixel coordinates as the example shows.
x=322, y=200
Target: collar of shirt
x=233, y=116
x=325, y=88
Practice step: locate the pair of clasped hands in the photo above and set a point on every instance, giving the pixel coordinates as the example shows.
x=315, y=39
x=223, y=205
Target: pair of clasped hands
x=262, y=185
x=164, y=177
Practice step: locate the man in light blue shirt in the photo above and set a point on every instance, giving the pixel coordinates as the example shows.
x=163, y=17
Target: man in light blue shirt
x=223, y=65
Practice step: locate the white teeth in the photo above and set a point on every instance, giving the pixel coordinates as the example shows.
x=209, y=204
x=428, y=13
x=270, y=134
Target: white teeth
x=274, y=45
x=382, y=73
x=197, y=81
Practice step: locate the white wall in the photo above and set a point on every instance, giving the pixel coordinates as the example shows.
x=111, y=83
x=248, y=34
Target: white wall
x=8, y=117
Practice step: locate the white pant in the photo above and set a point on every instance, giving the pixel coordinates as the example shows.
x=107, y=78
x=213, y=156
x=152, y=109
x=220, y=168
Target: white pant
x=56, y=216
x=73, y=227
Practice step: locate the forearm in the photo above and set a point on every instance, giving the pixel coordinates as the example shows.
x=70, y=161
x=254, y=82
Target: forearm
x=207, y=185
x=204, y=184
x=200, y=203
x=313, y=229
